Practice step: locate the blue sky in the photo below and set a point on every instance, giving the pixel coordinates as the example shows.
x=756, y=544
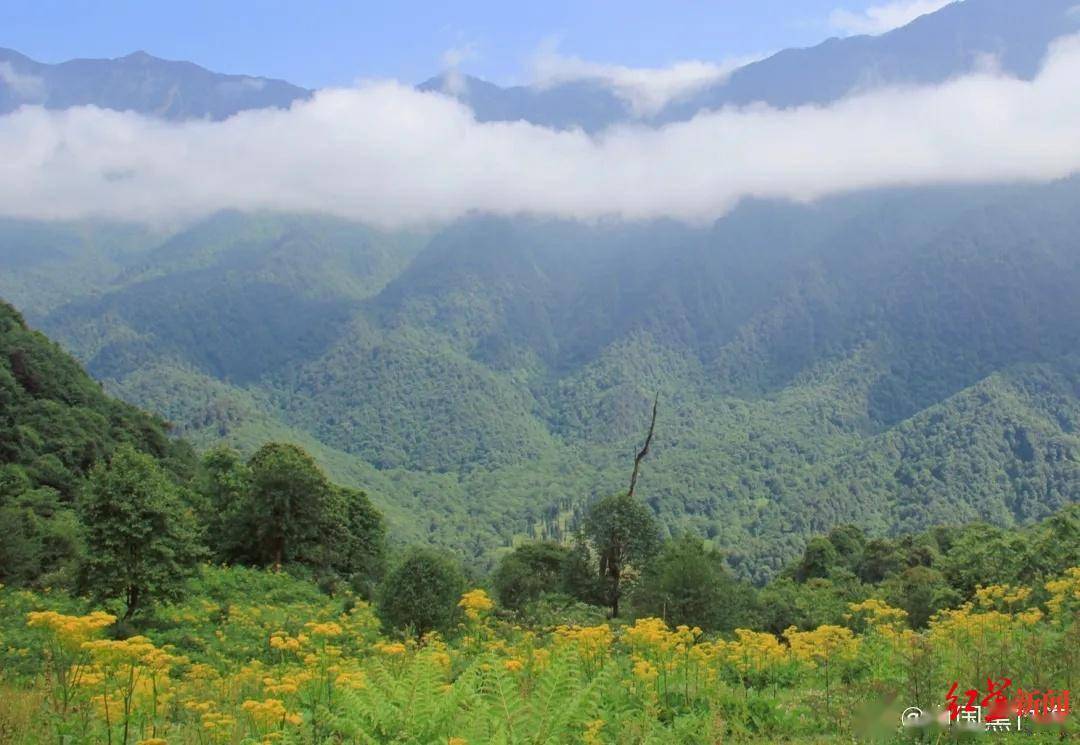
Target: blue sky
x=331, y=42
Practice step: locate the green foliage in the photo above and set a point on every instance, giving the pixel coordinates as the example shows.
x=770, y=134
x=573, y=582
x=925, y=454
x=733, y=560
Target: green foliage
x=623, y=533
x=141, y=537
x=529, y=571
x=689, y=584
x=223, y=485
x=253, y=653
x=42, y=539
x=421, y=592
x=920, y=592
x=56, y=422
x=855, y=361
x=918, y=573
x=291, y=510
x=362, y=553
x=279, y=508
x=579, y=575
x=819, y=558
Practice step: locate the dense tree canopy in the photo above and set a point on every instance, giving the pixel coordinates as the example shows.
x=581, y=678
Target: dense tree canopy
x=623, y=533
x=855, y=361
x=142, y=541
x=690, y=584
x=421, y=592
x=529, y=571
x=279, y=508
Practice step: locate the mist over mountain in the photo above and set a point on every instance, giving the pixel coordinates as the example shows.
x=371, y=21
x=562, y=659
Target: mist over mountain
x=973, y=35
x=894, y=353
x=966, y=36
x=962, y=37
x=894, y=358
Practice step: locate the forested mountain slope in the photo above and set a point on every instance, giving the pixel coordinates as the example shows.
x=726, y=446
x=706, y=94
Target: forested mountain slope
x=56, y=421
x=897, y=359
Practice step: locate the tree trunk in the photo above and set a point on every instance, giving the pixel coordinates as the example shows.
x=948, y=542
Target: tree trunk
x=645, y=450
x=616, y=578
x=132, y=601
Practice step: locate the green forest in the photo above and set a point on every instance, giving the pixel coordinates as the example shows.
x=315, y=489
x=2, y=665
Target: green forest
x=138, y=577
x=895, y=359
x=618, y=384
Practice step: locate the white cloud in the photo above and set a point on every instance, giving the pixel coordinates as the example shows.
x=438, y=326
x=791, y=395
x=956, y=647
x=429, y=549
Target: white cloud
x=390, y=155
x=877, y=19
x=646, y=89
x=454, y=82
x=27, y=87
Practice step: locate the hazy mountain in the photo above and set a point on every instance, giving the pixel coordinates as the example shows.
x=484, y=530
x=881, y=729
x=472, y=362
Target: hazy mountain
x=138, y=82
x=1006, y=35
x=971, y=35
x=589, y=104
x=893, y=358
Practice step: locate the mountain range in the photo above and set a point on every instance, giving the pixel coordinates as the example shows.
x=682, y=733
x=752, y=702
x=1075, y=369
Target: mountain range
x=1004, y=35
x=893, y=358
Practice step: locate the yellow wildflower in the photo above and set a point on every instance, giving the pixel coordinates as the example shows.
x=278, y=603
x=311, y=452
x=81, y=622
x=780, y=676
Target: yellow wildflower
x=822, y=644
x=475, y=603
x=392, y=649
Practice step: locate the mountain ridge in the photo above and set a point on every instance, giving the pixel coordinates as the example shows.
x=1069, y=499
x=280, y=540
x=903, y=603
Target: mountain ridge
x=495, y=378
x=960, y=38
x=174, y=90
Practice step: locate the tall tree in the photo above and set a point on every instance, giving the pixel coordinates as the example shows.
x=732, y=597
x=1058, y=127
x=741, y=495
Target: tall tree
x=362, y=555
x=224, y=485
x=644, y=448
x=141, y=539
x=819, y=558
x=280, y=508
x=291, y=504
x=623, y=532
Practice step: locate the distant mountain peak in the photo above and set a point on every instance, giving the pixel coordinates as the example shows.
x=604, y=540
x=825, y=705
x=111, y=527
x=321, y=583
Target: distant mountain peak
x=954, y=40
x=139, y=82
x=935, y=47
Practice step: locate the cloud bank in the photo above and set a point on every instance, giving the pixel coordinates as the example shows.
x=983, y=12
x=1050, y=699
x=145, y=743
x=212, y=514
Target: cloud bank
x=390, y=155
x=878, y=19
x=647, y=90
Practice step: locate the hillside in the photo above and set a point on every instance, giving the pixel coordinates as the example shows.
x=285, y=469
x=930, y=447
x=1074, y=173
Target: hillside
x=896, y=359
x=56, y=420
x=55, y=424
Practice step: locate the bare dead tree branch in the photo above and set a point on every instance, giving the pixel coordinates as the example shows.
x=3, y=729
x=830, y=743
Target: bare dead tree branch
x=645, y=450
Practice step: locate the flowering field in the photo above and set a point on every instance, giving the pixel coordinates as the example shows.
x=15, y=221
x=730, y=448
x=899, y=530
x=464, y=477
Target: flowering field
x=260, y=657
